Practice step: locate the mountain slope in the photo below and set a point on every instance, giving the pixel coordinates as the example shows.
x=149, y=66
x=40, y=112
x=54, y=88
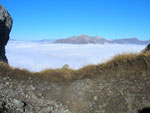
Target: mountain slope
x=120, y=85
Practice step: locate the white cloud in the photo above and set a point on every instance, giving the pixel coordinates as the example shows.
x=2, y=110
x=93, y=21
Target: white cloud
x=36, y=56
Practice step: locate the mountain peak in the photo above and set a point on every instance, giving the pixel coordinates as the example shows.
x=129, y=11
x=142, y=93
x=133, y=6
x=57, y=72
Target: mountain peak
x=83, y=39
x=83, y=35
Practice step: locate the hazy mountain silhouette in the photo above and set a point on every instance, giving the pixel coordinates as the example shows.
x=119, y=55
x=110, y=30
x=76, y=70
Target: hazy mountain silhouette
x=83, y=39
x=86, y=39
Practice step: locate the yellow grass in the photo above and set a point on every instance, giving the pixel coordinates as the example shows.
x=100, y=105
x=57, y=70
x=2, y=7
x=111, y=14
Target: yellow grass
x=117, y=62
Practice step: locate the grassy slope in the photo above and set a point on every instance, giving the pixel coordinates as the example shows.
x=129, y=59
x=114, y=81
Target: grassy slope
x=134, y=63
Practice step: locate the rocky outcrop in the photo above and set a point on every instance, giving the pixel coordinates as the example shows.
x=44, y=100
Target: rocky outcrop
x=147, y=48
x=5, y=28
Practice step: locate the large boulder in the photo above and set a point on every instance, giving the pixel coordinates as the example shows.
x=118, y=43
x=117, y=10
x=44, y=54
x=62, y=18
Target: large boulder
x=5, y=28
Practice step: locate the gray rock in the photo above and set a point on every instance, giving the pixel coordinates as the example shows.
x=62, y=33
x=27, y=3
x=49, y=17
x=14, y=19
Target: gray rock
x=18, y=103
x=147, y=48
x=1, y=104
x=65, y=66
x=5, y=28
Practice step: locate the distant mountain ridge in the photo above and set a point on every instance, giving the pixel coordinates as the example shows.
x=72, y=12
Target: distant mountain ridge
x=130, y=41
x=86, y=39
x=83, y=39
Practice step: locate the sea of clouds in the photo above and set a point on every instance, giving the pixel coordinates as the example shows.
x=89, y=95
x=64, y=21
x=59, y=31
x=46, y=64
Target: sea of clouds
x=37, y=56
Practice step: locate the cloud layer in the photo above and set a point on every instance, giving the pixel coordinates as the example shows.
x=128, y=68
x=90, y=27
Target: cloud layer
x=36, y=56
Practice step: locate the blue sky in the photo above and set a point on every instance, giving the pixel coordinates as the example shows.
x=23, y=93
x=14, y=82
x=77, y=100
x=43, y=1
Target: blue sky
x=55, y=19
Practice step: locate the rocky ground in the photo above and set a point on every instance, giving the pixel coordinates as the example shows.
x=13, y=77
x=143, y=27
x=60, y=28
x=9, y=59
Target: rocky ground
x=28, y=96
x=122, y=88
